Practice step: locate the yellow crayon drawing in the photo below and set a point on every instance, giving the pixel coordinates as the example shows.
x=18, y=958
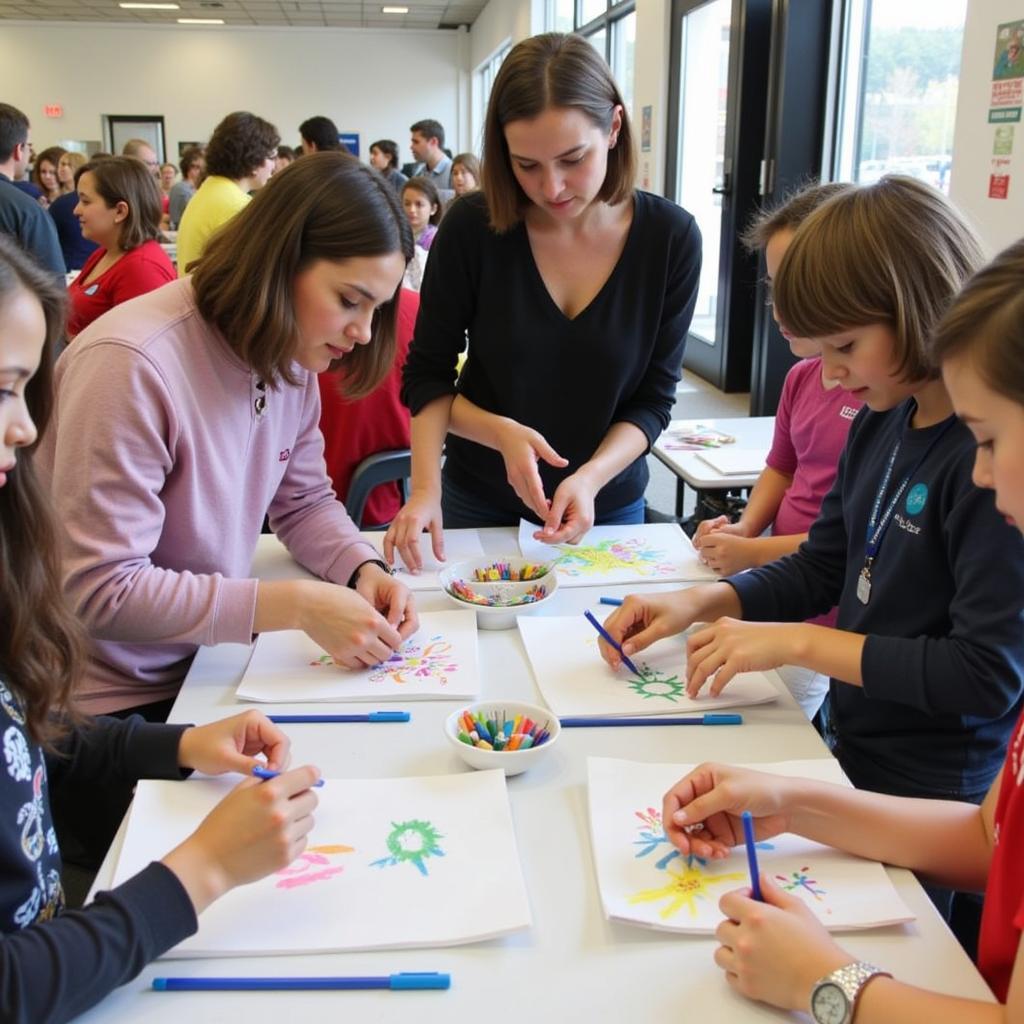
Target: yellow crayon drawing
x=689, y=883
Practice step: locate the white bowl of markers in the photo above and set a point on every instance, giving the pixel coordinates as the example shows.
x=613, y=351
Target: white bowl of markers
x=505, y=734
x=499, y=590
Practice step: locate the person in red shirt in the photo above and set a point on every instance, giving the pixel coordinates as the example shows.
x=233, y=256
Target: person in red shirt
x=119, y=209
x=355, y=429
x=775, y=950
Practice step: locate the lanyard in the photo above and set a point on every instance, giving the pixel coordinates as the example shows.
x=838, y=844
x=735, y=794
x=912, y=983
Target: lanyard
x=877, y=525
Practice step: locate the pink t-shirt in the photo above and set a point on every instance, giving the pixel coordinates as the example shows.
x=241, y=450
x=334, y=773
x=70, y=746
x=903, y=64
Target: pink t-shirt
x=810, y=431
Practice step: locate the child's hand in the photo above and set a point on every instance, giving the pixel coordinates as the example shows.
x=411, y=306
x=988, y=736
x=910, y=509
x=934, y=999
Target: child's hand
x=346, y=625
x=571, y=513
x=774, y=951
x=714, y=796
x=641, y=620
x=727, y=553
x=231, y=745
x=706, y=527
x=421, y=512
x=390, y=597
x=730, y=646
x=259, y=827
x=522, y=448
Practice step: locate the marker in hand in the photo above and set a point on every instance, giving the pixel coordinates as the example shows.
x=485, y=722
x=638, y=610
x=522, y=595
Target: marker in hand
x=755, y=874
x=268, y=773
x=609, y=639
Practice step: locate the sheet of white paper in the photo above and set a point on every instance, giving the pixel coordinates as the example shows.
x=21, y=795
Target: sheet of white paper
x=438, y=662
x=391, y=863
x=574, y=679
x=459, y=546
x=644, y=553
x=735, y=461
x=644, y=880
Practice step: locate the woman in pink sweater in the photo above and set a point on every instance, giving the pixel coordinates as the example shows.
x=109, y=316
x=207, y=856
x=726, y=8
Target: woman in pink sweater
x=187, y=416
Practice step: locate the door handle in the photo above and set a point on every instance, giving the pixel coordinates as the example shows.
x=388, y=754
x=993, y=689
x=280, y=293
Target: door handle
x=723, y=191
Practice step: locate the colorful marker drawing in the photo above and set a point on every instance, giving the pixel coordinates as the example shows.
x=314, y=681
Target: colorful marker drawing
x=324, y=659
x=689, y=883
x=613, y=556
x=652, y=837
x=801, y=880
x=429, y=659
x=308, y=866
x=411, y=842
x=654, y=683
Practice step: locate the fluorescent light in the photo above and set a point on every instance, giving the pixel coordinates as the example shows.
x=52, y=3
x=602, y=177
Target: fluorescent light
x=394, y=10
x=200, y=21
x=150, y=7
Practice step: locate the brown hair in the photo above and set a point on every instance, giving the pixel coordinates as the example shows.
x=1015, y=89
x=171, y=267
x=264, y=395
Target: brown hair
x=41, y=642
x=240, y=145
x=429, y=190
x=794, y=208
x=326, y=206
x=895, y=252
x=470, y=162
x=545, y=71
x=50, y=155
x=125, y=179
x=986, y=323
x=190, y=156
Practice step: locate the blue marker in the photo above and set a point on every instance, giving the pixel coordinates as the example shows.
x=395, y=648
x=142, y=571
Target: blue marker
x=607, y=637
x=586, y=722
x=611, y=600
x=370, y=716
x=266, y=774
x=755, y=874
x=395, y=982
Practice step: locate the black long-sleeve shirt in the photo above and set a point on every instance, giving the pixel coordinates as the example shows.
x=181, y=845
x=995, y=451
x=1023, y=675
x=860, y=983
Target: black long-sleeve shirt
x=570, y=379
x=943, y=662
x=55, y=964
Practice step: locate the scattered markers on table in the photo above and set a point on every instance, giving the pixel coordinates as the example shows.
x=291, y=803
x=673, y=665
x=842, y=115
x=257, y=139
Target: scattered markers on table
x=500, y=731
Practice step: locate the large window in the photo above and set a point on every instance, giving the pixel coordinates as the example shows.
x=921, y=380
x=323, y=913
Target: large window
x=897, y=98
x=609, y=26
x=485, y=76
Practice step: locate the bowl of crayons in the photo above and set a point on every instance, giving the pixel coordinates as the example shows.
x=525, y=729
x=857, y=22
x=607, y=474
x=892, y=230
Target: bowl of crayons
x=509, y=735
x=499, y=590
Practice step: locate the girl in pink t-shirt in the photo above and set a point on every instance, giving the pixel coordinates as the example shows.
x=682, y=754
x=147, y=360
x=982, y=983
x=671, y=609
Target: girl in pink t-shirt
x=811, y=425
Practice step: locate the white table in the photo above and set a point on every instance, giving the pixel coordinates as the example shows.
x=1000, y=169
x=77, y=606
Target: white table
x=572, y=964
x=751, y=432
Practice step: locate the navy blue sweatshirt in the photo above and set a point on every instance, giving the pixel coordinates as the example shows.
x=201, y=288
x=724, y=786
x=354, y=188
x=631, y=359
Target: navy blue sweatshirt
x=943, y=662
x=617, y=361
x=54, y=964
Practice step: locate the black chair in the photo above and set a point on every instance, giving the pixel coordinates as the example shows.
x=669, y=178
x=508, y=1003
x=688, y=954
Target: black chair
x=372, y=471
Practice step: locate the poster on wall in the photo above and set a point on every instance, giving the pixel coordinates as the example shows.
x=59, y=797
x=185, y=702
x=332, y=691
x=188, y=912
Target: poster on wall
x=1005, y=104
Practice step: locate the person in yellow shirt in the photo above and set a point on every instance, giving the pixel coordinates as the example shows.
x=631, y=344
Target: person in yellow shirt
x=239, y=159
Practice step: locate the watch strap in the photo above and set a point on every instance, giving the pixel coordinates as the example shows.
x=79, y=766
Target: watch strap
x=851, y=979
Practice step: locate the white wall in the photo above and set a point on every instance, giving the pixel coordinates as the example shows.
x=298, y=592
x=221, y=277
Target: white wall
x=375, y=82
x=651, y=87
x=999, y=221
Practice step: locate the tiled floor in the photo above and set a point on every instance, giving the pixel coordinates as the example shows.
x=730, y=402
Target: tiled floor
x=695, y=399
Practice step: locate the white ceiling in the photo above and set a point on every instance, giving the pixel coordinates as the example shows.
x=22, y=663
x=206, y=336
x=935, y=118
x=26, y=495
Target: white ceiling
x=423, y=14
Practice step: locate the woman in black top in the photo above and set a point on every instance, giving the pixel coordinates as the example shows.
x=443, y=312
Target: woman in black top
x=576, y=293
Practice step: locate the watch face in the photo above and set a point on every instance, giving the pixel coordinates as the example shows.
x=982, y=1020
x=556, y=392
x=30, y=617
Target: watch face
x=829, y=1004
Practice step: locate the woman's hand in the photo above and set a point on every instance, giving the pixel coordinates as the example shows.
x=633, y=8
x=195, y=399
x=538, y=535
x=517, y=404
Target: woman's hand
x=714, y=797
x=231, y=745
x=727, y=552
x=729, y=646
x=346, y=625
x=522, y=448
x=572, y=512
x=259, y=827
x=776, y=949
x=390, y=597
x=421, y=512
x=643, y=619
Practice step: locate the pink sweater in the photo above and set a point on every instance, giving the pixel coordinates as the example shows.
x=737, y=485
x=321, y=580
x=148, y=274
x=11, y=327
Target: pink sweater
x=162, y=471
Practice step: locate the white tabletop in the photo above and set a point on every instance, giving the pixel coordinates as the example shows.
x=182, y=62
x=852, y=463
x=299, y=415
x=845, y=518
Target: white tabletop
x=751, y=433
x=572, y=964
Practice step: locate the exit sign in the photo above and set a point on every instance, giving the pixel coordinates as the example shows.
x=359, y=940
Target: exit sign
x=53, y=110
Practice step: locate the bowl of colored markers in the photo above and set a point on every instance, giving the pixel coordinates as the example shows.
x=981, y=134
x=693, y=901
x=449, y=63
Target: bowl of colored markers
x=509, y=735
x=499, y=590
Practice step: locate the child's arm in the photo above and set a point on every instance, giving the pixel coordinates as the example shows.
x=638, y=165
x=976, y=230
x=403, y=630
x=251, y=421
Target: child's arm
x=729, y=554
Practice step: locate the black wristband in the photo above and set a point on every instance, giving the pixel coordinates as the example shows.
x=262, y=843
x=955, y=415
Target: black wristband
x=370, y=561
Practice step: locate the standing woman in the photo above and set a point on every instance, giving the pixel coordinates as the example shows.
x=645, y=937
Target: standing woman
x=576, y=291
x=67, y=166
x=196, y=412
x=44, y=173
x=119, y=209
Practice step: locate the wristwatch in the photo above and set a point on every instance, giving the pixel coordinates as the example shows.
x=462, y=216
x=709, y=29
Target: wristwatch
x=834, y=997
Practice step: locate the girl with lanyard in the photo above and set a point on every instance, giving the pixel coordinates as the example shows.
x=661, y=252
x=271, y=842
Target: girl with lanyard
x=927, y=658
x=775, y=950
x=576, y=293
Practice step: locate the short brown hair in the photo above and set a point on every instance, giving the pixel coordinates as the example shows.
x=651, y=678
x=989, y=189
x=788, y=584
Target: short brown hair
x=190, y=156
x=895, y=252
x=545, y=71
x=41, y=644
x=126, y=179
x=428, y=189
x=794, y=208
x=240, y=144
x=986, y=323
x=470, y=162
x=326, y=206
